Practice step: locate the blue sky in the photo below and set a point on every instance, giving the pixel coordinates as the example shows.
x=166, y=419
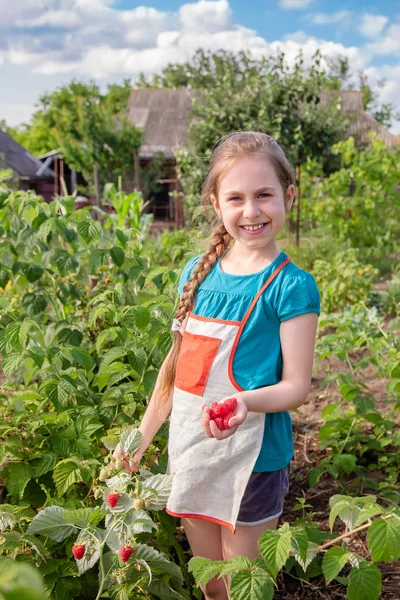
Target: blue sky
x=46, y=43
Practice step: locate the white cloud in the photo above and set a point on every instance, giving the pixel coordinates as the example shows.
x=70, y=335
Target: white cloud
x=389, y=92
x=294, y=4
x=337, y=17
x=372, y=25
x=388, y=44
x=205, y=15
x=92, y=39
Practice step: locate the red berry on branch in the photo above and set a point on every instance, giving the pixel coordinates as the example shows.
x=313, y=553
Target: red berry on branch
x=78, y=550
x=112, y=500
x=125, y=553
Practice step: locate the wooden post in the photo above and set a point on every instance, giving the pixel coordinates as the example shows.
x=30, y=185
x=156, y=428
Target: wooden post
x=298, y=206
x=136, y=162
x=55, y=176
x=62, y=191
x=96, y=184
x=74, y=180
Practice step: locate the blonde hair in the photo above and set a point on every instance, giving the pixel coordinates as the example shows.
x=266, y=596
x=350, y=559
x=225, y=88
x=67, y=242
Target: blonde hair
x=226, y=152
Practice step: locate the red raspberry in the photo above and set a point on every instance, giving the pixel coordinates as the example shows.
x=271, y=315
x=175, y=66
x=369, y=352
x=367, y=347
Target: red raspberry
x=226, y=420
x=219, y=421
x=112, y=500
x=125, y=553
x=217, y=410
x=230, y=405
x=78, y=551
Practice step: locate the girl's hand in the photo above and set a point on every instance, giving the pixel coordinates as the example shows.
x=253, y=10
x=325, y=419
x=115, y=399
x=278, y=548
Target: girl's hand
x=210, y=428
x=130, y=463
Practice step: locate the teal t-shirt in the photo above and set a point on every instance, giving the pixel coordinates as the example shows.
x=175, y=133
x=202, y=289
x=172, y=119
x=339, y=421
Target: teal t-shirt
x=258, y=358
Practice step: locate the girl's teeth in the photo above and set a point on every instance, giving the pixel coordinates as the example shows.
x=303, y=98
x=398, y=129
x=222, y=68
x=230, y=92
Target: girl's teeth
x=253, y=228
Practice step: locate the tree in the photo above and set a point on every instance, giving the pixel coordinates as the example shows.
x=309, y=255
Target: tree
x=89, y=128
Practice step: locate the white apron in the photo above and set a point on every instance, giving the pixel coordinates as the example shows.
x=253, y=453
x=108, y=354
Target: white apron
x=210, y=475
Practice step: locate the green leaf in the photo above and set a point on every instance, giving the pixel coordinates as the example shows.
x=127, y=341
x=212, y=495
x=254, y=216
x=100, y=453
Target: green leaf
x=89, y=230
x=117, y=255
x=157, y=561
x=32, y=272
x=50, y=522
x=44, y=464
x=346, y=462
x=142, y=317
x=7, y=517
x=204, y=569
x=239, y=563
x=130, y=439
x=156, y=489
x=365, y=582
x=384, y=540
x=19, y=474
x=58, y=391
x=122, y=238
x=97, y=258
x=300, y=543
x=248, y=585
x=65, y=262
x=275, y=547
x=66, y=473
x=83, y=517
x=11, y=362
x=17, y=334
x=149, y=381
x=83, y=358
x=333, y=562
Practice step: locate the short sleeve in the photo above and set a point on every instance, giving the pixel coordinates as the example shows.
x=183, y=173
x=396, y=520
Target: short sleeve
x=187, y=273
x=299, y=295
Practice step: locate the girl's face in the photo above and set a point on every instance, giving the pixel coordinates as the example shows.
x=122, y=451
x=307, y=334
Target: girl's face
x=252, y=203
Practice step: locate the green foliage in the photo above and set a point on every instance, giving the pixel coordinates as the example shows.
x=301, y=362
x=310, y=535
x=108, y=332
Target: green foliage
x=343, y=279
x=20, y=581
x=292, y=548
x=359, y=203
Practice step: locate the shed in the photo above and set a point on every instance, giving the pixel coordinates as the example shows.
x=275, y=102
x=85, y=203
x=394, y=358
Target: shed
x=27, y=170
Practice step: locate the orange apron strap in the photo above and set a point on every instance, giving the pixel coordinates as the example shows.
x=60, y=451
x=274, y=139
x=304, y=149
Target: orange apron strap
x=246, y=318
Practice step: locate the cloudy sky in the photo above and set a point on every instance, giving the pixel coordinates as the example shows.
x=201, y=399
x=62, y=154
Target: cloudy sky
x=46, y=43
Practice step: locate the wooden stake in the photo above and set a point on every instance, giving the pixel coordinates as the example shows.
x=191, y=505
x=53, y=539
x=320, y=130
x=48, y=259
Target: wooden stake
x=136, y=162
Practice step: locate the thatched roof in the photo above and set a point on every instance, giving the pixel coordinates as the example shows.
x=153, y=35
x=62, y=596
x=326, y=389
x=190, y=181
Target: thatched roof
x=23, y=164
x=164, y=114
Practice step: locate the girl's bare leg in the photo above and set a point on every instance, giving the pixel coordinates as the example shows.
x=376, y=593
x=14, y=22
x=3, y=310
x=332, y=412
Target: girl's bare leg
x=204, y=538
x=244, y=541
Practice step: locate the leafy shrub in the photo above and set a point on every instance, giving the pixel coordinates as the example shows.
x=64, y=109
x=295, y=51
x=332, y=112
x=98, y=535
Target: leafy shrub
x=343, y=280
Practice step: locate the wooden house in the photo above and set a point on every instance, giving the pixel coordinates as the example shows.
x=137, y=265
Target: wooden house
x=28, y=171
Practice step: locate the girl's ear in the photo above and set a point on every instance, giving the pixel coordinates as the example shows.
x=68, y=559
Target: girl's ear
x=214, y=202
x=289, y=197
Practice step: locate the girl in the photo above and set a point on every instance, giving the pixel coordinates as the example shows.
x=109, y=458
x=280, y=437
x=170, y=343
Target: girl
x=245, y=328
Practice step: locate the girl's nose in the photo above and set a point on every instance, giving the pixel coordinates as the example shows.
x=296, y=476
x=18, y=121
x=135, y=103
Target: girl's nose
x=251, y=210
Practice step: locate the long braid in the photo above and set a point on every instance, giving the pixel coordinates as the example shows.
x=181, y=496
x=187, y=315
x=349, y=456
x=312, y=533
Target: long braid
x=219, y=243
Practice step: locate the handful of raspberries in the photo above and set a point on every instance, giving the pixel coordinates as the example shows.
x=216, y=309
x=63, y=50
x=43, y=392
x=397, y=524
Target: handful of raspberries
x=222, y=412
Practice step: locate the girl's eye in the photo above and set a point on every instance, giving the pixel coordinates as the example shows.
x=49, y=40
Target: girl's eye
x=265, y=194
x=235, y=198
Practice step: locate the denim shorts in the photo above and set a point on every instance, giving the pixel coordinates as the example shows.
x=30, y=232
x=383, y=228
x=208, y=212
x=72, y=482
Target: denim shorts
x=263, y=497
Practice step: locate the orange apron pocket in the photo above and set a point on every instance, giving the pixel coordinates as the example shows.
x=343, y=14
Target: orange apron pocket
x=196, y=356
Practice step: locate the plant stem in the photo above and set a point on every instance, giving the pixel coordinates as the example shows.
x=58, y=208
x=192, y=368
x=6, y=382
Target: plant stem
x=344, y=535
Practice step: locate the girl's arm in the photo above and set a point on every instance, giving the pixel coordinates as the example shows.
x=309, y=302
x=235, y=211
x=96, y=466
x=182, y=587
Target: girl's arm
x=297, y=341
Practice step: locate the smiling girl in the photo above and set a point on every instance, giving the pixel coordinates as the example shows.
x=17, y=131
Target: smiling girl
x=245, y=328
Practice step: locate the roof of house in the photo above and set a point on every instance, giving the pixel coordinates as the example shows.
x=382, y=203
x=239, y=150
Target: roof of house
x=164, y=114
x=16, y=157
